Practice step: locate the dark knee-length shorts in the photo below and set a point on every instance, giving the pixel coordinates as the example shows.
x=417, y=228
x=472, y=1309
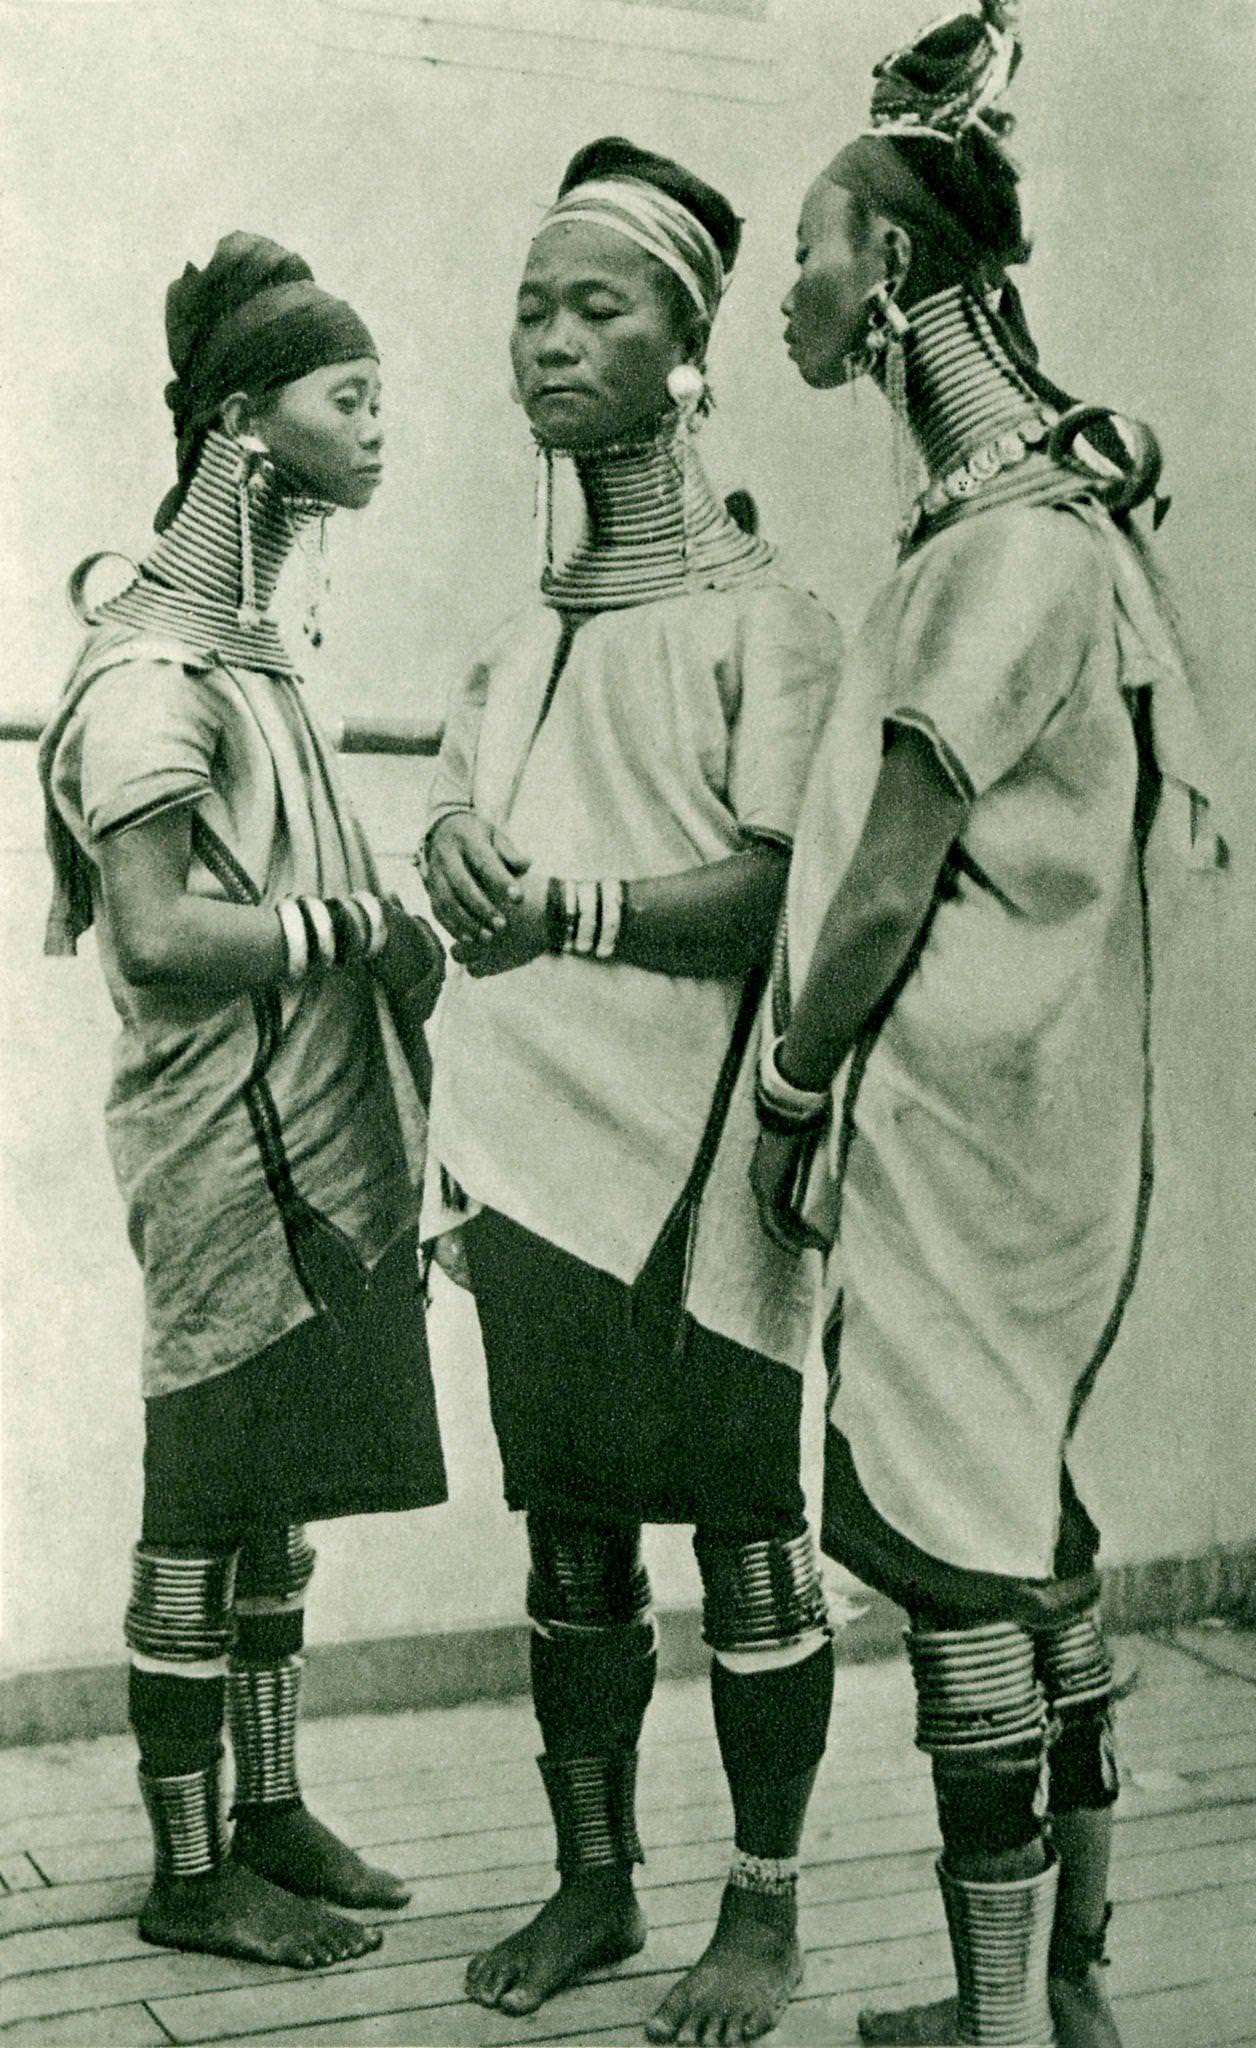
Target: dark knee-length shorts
x=610, y=1403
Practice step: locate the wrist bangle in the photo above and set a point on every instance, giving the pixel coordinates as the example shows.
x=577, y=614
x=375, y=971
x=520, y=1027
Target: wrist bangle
x=373, y=911
x=779, y=1104
x=347, y=931
x=555, y=915
x=585, y=918
x=321, y=930
x=588, y=916
x=359, y=925
x=296, y=943
x=613, y=894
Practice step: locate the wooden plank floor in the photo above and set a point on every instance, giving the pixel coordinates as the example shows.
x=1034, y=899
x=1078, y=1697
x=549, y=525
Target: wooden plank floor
x=452, y=1799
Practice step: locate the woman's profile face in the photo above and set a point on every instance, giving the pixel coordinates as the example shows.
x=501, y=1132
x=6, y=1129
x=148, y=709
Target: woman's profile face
x=594, y=338
x=324, y=434
x=826, y=311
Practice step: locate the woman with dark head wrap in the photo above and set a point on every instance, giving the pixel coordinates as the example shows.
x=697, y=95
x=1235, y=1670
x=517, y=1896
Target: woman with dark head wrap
x=957, y=1067
x=610, y=817
x=263, y=1122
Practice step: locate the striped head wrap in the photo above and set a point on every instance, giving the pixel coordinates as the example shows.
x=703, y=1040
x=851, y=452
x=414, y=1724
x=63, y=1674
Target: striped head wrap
x=656, y=203
x=658, y=224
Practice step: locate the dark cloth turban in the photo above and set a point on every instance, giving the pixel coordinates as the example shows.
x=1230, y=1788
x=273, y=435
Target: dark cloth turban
x=251, y=320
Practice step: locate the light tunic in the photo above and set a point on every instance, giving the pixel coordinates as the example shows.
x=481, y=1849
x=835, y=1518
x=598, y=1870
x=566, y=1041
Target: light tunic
x=990, y=1157
x=571, y=1094
x=143, y=727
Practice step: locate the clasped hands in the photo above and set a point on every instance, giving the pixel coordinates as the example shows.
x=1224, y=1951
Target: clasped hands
x=485, y=894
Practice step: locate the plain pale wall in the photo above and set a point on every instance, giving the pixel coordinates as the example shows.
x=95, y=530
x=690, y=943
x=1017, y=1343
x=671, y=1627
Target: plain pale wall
x=138, y=134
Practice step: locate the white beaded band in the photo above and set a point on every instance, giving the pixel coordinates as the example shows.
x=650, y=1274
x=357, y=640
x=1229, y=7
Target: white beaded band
x=588, y=901
x=612, y=895
x=324, y=930
x=373, y=911
x=802, y=1105
x=295, y=939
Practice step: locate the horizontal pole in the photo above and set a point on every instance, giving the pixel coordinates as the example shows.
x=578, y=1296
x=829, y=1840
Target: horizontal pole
x=359, y=735
x=385, y=736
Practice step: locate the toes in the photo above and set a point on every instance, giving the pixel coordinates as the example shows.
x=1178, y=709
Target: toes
x=481, y=1990
x=487, y=1977
x=523, y=1997
x=665, y=2024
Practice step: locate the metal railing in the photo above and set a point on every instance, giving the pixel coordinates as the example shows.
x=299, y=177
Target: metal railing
x=349, y=735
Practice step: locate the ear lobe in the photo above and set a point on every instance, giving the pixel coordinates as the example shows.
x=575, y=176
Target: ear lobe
x=236, y=416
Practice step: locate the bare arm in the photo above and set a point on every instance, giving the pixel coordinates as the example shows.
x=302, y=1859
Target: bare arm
x=877, y=910
x=167, y=938
x=709, y=922
x=712, y=921
x=872, y=924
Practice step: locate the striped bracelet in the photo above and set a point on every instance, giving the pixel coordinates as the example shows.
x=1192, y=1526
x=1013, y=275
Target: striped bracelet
x=330, y=931
x=586, y=918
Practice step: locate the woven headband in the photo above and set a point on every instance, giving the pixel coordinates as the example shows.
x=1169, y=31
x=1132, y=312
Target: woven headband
x=657, y=223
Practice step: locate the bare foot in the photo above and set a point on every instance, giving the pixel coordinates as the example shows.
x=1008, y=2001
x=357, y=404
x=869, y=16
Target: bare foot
x=743, y=1981
x=918, y=2026
x=296, y=1851
x=1082, y=2015
x=234, y=1912
x=590, y=1921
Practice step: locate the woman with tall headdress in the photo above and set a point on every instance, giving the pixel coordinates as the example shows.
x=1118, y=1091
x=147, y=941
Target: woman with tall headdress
x=263, y=1119
x=957, y=1073
x=610, y=823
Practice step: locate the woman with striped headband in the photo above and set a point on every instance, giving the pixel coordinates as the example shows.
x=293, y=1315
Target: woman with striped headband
x=957, y=1064
x=611, y=817
x=265, y=1130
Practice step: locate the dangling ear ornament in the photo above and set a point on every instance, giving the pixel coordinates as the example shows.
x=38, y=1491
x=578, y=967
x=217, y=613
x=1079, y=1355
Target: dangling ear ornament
x=687, y=389
x=888, y=330
x=887, y=322
x=251, y=475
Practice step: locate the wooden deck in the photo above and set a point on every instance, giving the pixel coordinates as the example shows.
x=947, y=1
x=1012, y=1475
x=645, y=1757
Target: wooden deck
x=453, y=1800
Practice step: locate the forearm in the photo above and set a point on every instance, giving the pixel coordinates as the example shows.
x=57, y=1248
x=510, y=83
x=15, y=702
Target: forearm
x=862, y=949
x=709, y=922
x=878, y=911
x=202, y=946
